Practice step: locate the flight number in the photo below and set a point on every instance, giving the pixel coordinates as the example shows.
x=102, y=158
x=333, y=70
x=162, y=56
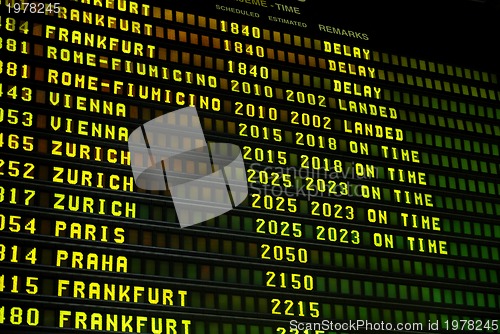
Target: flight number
x=15, y=142
x=279, y=228
x=304, y=119
x=295, y=308
x=30, y=286
x=10, y=25
x=241, y=48
x=318, y=163
x=12, y=92
x=16, y=316
x=250, y=70
x=274, y=203
x=260, y=132
x=342, y=235
x=235, y=28
x=328, y=210
x=260, y=155
x=12, y=70
x=311, y=140
x=12, y=195
x=13, y=116
x=12, y=223
x=286, y=280
x=14, y=169
x=266, y=178
x=248, y=88
x=250, y=110
x=303, y=98
x=280, y=253
x=13, y=254
x=11, y=45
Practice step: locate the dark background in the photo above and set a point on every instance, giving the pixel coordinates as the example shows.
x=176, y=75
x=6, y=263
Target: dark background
x=462, y=32
x=458, y=32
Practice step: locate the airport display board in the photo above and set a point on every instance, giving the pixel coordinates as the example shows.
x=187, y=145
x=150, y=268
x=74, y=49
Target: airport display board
x=372, y=176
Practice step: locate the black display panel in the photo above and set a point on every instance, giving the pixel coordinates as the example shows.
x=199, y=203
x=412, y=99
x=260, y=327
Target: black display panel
x=370, y=151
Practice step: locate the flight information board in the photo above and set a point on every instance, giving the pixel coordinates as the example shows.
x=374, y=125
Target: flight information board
x=372, y=174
